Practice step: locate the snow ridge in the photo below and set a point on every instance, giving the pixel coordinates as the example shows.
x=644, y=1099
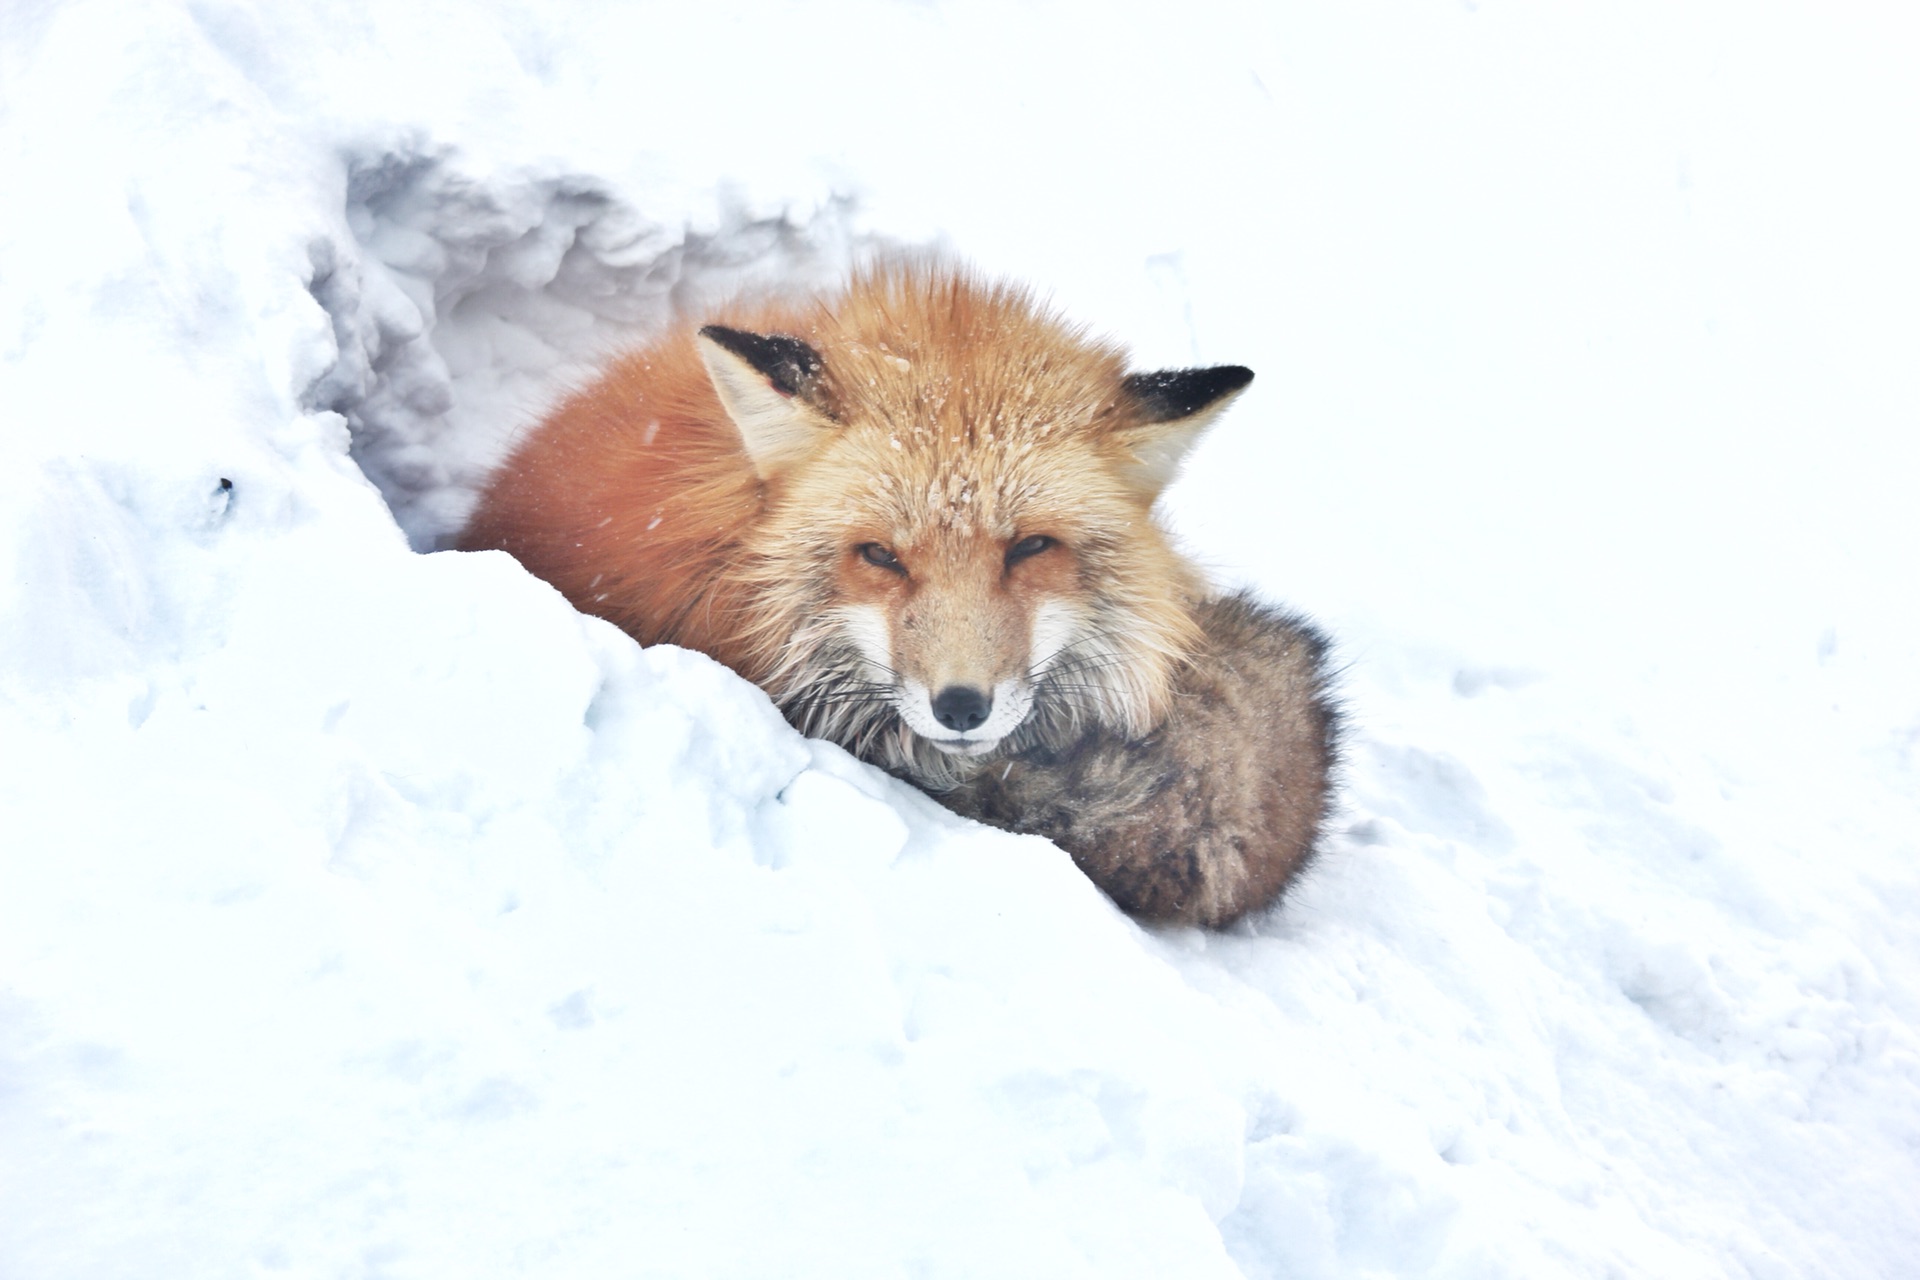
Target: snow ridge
x=367, y=912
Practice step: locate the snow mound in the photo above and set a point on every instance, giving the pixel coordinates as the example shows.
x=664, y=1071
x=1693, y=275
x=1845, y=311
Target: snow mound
x=367, y=911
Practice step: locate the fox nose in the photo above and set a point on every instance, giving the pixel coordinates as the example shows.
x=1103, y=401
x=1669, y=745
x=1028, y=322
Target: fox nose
x=961, y=707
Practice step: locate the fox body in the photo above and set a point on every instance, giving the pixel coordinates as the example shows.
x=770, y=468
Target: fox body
x=917, y=512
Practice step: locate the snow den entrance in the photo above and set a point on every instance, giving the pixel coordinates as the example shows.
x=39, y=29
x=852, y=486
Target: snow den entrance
x=464, y=304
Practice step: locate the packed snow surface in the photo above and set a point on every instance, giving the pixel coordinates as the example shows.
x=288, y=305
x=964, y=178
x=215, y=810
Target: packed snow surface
x=367, y=912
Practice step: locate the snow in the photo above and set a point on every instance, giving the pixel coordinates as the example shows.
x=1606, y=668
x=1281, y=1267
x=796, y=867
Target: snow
x=366, y=912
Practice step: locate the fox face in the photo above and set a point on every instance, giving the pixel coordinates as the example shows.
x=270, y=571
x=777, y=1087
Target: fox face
x=957, y=633
x=956, y=555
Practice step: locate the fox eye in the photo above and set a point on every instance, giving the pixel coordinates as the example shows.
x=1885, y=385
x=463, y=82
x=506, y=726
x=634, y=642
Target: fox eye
x=875, y=554
x=1027, y=548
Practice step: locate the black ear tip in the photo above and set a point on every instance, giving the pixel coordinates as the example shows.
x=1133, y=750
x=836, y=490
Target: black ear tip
x=1177, y=393
x=732, y=339
x=785, y=361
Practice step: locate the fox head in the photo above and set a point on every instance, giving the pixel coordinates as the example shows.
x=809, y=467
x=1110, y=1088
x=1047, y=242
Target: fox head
x=956, y=554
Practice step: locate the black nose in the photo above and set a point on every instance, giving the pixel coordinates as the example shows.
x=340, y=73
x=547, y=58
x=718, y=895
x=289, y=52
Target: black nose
x=960, y=707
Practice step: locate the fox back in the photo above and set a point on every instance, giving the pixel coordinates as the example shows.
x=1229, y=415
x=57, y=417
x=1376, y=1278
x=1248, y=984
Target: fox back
x=917, y=511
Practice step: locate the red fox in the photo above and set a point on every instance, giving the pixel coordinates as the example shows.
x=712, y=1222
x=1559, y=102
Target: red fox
x=918, y=512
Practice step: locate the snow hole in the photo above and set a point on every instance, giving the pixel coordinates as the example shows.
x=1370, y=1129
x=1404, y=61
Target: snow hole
x=463, y=304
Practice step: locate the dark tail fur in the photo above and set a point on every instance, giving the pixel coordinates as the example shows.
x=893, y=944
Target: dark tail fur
x=1212, y=815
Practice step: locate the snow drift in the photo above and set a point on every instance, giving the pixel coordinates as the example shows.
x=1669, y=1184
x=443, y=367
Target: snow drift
x=364, y=911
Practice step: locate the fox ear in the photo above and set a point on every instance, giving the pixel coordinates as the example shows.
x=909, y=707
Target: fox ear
x=1173, y=407
x=769, y=384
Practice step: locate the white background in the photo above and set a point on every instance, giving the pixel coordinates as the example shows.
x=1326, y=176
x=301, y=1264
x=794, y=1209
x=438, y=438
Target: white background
x=367, y=913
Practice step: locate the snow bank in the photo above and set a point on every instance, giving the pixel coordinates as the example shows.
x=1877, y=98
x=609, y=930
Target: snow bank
x=366, y=912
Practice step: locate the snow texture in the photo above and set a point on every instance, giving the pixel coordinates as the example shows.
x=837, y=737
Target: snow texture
x=366, y=912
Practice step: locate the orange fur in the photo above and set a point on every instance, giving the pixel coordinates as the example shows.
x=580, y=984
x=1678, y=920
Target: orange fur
x=951, y=418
